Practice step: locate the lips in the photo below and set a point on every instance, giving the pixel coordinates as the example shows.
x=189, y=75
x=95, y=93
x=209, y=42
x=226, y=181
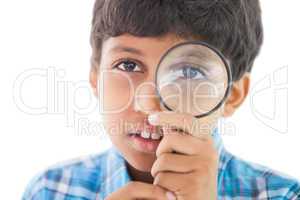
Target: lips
x=146, y=139
x=144, y=145
x=147, y=132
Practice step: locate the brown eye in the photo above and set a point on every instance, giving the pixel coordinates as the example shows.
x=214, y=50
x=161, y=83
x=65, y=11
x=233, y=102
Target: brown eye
x=128, y=66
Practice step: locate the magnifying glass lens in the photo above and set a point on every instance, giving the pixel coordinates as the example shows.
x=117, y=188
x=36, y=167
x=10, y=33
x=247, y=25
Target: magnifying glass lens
x=193, y=78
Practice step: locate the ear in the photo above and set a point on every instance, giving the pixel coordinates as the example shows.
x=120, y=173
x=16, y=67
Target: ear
x=94, y=81
x=239, y=92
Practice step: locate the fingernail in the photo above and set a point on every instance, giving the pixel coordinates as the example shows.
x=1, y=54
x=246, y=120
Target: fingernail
x=170, y=196
x=153, y=119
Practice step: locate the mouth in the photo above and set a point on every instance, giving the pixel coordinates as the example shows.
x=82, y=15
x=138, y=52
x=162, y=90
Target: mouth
x=146, y=140
x=148, y=135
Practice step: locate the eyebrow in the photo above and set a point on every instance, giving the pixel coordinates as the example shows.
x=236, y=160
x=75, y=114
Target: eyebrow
x=127, y=49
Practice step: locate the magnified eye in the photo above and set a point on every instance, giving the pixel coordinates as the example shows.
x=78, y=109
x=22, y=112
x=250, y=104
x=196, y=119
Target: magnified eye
x=190, y=72
x=128, y=66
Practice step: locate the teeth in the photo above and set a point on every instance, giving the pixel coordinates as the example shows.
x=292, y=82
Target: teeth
x=148, y=135
x=145, y=135
x=155, y=136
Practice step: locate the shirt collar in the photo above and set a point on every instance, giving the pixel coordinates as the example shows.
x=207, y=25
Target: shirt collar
x=115, y=173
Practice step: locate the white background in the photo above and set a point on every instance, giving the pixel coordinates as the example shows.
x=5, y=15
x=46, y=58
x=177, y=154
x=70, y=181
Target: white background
x=42, y=34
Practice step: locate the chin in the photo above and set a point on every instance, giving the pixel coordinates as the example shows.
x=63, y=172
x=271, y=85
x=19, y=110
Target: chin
x=138, y=160
x=142, y=161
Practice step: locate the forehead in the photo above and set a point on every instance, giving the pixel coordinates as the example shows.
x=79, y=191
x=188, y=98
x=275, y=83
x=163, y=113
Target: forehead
x=141, y=46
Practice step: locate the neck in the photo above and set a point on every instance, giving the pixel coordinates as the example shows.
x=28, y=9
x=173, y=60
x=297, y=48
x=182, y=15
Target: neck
x=140, y=176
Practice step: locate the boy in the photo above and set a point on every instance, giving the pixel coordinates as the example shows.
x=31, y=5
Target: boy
x=149, y=160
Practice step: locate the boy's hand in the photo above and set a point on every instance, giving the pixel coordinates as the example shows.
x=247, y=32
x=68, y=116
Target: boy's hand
x=191, y=172
x=138, y=190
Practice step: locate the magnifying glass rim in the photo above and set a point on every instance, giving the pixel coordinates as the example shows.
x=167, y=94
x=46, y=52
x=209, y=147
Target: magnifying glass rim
x=198, y=42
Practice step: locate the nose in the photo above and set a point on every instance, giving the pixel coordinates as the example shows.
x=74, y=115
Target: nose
x=146, y=99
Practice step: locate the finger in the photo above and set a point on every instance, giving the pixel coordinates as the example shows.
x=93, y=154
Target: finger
x=173, y=141
x=184, y=186
x=170, y=162
x=139, y=190
x=185, y=122
x=173, y=182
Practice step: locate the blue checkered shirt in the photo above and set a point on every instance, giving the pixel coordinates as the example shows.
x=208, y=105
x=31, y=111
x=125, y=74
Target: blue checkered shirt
x=96, y=176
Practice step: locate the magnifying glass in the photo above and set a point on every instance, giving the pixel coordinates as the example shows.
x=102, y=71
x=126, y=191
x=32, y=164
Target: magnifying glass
x=194, y=78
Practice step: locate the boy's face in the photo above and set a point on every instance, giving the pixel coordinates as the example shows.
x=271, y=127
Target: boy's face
x=127, y=92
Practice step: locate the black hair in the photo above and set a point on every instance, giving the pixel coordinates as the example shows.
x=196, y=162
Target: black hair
x=232, y=26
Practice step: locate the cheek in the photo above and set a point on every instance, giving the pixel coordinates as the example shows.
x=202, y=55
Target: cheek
x=116, y=97
x=116, y=93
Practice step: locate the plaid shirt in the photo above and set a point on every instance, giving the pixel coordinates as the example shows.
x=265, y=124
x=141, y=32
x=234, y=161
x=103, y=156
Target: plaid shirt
x=96, y=176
